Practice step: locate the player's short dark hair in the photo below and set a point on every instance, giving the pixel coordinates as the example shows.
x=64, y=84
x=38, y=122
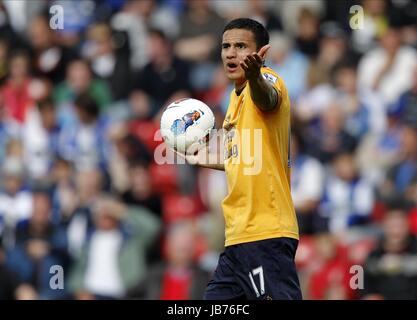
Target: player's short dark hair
x=260, y=33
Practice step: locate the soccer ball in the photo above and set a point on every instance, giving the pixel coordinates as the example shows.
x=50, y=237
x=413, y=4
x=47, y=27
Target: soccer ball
x=185, y=123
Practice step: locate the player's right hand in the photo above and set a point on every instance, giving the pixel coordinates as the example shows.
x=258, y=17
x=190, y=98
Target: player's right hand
x=202, y=157
x=193, y=156
x=253, y=63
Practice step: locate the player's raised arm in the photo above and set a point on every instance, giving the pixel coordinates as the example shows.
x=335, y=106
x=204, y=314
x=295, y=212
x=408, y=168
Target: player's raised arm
x=265, y=96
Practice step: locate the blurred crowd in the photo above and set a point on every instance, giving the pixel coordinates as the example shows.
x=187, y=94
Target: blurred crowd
x=79, y=118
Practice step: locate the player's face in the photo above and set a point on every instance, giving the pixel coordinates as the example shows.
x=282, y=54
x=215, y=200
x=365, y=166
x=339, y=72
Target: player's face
x=236, y=45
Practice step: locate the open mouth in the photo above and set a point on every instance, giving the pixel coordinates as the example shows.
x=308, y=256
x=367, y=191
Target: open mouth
x=231, y=67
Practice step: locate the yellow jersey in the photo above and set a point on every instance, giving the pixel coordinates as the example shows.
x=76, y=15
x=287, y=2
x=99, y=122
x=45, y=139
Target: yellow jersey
x=257, y=165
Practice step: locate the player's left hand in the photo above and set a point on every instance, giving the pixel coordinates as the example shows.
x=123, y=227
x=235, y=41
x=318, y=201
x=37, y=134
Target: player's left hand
x=253, y=62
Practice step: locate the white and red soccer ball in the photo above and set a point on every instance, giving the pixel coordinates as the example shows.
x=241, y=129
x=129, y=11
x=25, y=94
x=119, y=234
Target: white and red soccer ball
x=187, y=123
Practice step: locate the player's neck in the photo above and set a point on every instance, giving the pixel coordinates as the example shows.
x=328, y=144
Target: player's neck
x=239, y=87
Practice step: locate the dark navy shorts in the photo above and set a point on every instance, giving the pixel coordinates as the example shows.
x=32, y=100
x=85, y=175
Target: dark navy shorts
x=256, y=270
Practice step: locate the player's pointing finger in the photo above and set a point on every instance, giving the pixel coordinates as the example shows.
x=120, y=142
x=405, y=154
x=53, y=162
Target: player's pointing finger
x=244, y=66
x=258, y=58
x=262, y=52
x=252, y=59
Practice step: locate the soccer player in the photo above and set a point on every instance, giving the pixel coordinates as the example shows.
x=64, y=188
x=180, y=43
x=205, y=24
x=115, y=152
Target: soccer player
x=261, y=225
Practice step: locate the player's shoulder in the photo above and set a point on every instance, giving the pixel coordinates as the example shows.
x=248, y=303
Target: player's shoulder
x=270, y=75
